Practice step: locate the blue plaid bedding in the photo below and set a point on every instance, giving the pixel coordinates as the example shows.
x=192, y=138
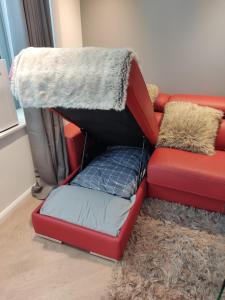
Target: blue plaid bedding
x=115, y=172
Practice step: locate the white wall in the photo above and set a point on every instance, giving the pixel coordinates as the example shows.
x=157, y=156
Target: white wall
x=180, y=43
x=16, y=167
x=66, y=23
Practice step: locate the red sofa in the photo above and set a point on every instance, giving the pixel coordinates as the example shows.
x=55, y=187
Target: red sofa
x=173, y=175
x=184, y=177
x=139, y=115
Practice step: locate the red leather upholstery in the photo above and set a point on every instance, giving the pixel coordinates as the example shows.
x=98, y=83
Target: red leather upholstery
x=212, y=101
x=74, y=142
x=161, y=101
x=220, y=140
x=185, y=198
x=87, y=239
x=140, y=105
x=194, y=174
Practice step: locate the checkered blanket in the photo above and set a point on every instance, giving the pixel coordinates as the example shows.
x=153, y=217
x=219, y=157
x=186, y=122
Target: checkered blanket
x=116, y=171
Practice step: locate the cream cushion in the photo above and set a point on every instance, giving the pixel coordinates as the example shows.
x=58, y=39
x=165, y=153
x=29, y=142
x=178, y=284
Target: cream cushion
x=153, y=91
x=190, y=127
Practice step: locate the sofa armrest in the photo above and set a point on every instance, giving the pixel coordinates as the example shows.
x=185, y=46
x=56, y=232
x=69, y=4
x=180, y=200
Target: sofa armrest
x=74, y=143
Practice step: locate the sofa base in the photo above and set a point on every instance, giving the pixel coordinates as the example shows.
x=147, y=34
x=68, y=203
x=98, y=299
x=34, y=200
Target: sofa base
x=60, y=242
x=48, y=238
x=185, y=198
x=87, y=239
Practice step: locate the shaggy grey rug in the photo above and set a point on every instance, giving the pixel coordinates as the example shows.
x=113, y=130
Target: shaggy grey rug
x=175, y=252
x=88, y=78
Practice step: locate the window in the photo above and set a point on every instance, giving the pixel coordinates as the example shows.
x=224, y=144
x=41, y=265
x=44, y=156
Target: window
x=8, y=116
x=4, y=44
x=13, y=34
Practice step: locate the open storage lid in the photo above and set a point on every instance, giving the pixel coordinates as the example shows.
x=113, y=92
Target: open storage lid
x=105, y=96
x=109, y=127
x=126, y=127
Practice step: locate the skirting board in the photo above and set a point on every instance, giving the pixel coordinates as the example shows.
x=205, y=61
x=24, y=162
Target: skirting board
x=10, y=208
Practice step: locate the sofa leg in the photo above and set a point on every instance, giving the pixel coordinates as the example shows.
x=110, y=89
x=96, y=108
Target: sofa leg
x=48, y=238
x=102, y=256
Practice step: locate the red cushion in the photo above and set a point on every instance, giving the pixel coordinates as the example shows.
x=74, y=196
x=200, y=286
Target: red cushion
x=74, y=142
x=188, y=172
x=161, y=101
x=87, y=239
x=220, y=140
x=212, y=101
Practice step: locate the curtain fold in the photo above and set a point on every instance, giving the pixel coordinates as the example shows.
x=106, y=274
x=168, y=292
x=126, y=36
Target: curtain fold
x=45, y=129
x=38, y=19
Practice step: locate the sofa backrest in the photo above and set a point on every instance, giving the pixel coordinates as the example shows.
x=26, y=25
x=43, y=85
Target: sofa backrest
x=217, y=102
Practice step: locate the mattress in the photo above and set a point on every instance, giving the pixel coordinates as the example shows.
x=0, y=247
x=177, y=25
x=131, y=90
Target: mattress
x=88, y=208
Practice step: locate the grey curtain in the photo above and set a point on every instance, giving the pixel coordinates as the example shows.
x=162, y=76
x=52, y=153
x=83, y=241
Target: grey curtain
x=38, y=19
x=45, y=131
x=44, y=128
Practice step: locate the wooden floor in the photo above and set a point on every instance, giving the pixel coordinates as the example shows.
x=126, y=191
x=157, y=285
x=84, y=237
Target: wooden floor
x=34, y=268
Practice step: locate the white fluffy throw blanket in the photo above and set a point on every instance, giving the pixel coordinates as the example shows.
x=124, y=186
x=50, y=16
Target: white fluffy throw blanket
x=88, y=78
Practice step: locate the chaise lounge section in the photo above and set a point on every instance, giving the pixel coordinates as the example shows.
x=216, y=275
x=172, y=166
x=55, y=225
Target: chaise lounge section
x=184, y=177
x=129, y=128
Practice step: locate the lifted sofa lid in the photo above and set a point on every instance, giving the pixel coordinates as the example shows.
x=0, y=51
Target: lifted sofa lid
x=106, y=96
x=125, y=127
x=81, y=78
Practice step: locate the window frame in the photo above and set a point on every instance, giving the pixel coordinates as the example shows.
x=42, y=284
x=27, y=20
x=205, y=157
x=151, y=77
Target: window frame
x=6, y=46
x=6, y=51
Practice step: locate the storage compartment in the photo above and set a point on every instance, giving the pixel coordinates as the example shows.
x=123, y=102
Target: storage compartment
x=135, y=126
x=93, y=201
x=88, y=208
x=87, y=239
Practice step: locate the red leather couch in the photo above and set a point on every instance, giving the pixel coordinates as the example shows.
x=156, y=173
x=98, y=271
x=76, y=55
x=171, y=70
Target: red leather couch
x=173, y=175
x=139, y=105
x=184, y=177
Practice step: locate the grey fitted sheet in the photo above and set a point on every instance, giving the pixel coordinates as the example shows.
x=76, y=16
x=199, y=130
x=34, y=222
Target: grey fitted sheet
x=88, y=208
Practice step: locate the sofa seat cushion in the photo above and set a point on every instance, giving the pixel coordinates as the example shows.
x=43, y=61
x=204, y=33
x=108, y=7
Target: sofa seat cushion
x=188, y=172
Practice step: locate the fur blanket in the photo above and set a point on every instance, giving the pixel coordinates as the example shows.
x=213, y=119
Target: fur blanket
x=88, y=78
